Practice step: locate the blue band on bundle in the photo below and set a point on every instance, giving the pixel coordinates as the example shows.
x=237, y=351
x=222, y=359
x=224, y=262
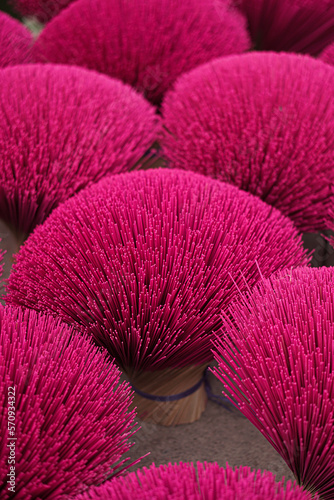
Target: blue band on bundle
x=218, y=399
x=174, y=397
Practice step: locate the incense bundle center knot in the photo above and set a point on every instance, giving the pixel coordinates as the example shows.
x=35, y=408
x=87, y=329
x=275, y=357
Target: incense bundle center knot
x=171, y=397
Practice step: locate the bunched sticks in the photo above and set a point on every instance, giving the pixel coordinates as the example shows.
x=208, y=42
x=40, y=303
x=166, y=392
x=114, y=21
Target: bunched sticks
x=146, y=44
x=71, y=415
x=15, y=42
x=205, y=481
x=276, y=363
x=62, y=128
x=145, y=262
x=261, y=121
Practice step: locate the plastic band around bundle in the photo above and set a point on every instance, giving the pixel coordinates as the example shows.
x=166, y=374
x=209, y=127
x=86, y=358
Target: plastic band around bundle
x=173, y=397
x=218, y=399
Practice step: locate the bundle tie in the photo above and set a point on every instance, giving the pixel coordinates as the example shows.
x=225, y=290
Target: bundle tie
x=216, y=398
x=174, y=397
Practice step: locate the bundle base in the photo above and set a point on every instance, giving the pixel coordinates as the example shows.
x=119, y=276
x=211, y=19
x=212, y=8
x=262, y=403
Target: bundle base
x=170, y=382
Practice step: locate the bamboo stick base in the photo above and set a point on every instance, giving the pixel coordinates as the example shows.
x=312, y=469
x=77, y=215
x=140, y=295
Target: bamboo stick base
x=166, y=383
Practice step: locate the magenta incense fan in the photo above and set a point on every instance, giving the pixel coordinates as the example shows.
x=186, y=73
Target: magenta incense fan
x=65, y=419
x=295, y=26
x=15, y=42
x=328, y=55
x=145, y=262
x=261, y=121
x=43, y=10
x=205, y=481
x=276, y=364
x=61, y=129
x=146, y=44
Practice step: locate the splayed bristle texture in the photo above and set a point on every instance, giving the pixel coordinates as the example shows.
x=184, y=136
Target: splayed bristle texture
x=146, y=44
x=15, y=42
x=184, y=481
x=72, y=422
x=261, y=121
x=62, y=128
x=328, y=55
x=284, y=25
x=146, y=261
x=276, y=363
x=43, y=10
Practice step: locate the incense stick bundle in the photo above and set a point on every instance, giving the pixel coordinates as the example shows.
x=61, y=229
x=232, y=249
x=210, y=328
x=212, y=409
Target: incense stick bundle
x=261, y=121
x=61, y=129
x=145, y=44
x=296, y=26
x=15, y=42
x=145, y=262
x=64, y=416
x=185, y=481
x=277, y=366
x=328, y=55
x=43, y=10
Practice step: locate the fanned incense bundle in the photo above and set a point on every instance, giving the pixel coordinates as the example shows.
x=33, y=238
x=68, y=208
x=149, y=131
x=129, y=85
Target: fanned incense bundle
x=290, y=25
x=145, y=262
x=147, y=44
x=328, y=55
x=71, y=415
x=261, y=121
x=15, y=42
x=206, y=481
x=62, y=128
x=43, y=10
x=277, y=366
